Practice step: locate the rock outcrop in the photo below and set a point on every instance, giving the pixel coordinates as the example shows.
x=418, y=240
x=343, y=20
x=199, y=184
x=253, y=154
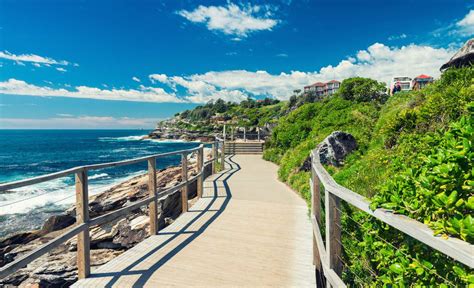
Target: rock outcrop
x=333, y=150
x=336, y=147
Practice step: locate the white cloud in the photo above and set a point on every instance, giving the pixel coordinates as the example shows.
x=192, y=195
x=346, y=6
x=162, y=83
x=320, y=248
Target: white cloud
x=158, y=77
x=34, y=59
x=283, y=55
x=466, y=25
x=64, y=115
x=143, y=94
x=80, y=122
x=232, y=19
x=397, y=37
x=378, y=61
x=61, y=69
x=136, y=79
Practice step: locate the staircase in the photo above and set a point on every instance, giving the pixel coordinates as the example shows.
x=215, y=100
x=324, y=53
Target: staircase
x=243, y=147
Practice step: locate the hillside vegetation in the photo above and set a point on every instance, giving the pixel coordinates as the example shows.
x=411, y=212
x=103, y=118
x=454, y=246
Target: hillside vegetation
x=415, y=157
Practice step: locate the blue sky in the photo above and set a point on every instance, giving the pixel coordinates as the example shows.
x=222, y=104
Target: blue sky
x=126, y=64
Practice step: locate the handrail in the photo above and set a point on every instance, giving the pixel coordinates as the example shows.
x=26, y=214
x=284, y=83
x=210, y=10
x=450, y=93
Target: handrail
x=59, y=174
x=83, y=223
x=457, y=249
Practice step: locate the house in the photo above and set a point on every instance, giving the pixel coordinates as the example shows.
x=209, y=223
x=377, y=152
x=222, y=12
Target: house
x=403, y=81
x=419, y=82
x=323, y=89
x=332, y=86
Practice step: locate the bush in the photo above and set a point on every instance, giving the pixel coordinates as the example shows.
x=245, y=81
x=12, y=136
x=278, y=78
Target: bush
x=362, y=89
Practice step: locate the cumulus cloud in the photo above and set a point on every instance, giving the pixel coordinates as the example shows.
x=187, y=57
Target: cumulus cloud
x=232, y=19
x=79, y=122
x=61, y=69
x=378, y=61
x=143, y=94
x=466, y=25
x=34, y=59
x=136, y=79
x=158, y=77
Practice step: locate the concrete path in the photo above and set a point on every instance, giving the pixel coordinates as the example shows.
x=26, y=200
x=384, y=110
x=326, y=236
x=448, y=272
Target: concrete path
x=248, y=230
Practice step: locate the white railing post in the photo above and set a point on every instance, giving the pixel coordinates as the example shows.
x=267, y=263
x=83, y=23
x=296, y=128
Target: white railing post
x=258, y=134
x=82, y=216
x=200, y=165
x=153, y=206
x=223, y=155
x=215, y=156
x=316, y=211
x=245, y=135
x=184, y=176
x=333, y=232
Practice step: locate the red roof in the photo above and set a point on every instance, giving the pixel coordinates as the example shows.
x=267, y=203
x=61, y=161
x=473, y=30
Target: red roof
x=318, y=84
x=334, y=81
x=423, y=76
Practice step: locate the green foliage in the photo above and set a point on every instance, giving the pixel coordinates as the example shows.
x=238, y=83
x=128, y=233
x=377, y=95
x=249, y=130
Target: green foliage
x=439, y=189
x=415, y=157
x=362, y=89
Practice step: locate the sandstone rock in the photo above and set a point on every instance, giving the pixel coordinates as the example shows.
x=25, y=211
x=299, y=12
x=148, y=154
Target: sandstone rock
x=58, y=222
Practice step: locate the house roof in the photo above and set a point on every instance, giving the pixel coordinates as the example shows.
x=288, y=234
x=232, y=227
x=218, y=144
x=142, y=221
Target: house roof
x=423, y=76
x=334, y=81
x=317, y=84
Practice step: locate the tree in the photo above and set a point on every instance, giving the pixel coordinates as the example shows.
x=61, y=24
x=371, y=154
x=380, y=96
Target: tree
x=362, y=89
x=220, y=106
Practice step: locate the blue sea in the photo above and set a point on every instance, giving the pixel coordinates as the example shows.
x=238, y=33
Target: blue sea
x=29, y=153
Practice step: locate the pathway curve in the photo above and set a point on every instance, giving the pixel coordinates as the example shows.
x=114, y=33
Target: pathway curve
x=248, y=230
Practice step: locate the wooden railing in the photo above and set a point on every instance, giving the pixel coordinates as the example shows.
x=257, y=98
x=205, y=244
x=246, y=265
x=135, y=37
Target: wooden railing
x=83, y=222
x=327, y=256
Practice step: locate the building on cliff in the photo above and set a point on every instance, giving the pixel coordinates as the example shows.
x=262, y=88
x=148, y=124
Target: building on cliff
x=322, y=89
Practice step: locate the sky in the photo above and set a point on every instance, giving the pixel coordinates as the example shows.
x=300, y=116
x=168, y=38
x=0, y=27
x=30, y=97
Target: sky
x=127, y=64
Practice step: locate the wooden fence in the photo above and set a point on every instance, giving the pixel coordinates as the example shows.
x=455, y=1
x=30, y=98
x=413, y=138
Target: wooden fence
x=83, y=222
x=327, y=256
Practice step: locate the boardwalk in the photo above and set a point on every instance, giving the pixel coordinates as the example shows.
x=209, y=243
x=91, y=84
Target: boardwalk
x=247, y=230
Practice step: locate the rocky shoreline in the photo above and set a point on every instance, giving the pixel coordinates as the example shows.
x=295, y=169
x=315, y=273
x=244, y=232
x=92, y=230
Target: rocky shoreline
x=58, y=268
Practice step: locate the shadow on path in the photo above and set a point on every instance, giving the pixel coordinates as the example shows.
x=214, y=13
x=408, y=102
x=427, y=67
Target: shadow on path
x=146, y=274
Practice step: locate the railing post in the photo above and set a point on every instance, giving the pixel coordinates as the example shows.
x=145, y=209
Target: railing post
x=153, y=206
x=82, y=216
x=316, y=211
x=200, y=165
x=258, y=134
x=215, y=156
x=213, y=170
x=184, y=190
x=245, y=135
x=223, y=155
x=333, y=232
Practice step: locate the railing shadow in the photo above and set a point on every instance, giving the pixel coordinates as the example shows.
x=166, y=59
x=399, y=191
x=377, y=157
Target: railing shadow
x=146, y=274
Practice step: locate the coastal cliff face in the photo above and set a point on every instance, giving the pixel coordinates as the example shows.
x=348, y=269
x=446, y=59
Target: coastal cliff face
x=58, y=268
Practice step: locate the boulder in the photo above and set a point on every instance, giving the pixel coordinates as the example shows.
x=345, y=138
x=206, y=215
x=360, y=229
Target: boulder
x=333, y=150
x=58, y=222
x=336, y=147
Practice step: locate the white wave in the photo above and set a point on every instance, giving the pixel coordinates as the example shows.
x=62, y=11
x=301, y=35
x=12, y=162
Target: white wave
x=55, y=192
x=124, y=138
x=97, y=176
x=171, y=141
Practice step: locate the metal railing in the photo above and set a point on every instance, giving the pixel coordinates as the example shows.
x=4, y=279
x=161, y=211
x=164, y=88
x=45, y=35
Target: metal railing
x=83, y=222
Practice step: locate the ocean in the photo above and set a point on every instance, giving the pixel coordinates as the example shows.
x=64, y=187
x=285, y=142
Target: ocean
x=29, y=153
